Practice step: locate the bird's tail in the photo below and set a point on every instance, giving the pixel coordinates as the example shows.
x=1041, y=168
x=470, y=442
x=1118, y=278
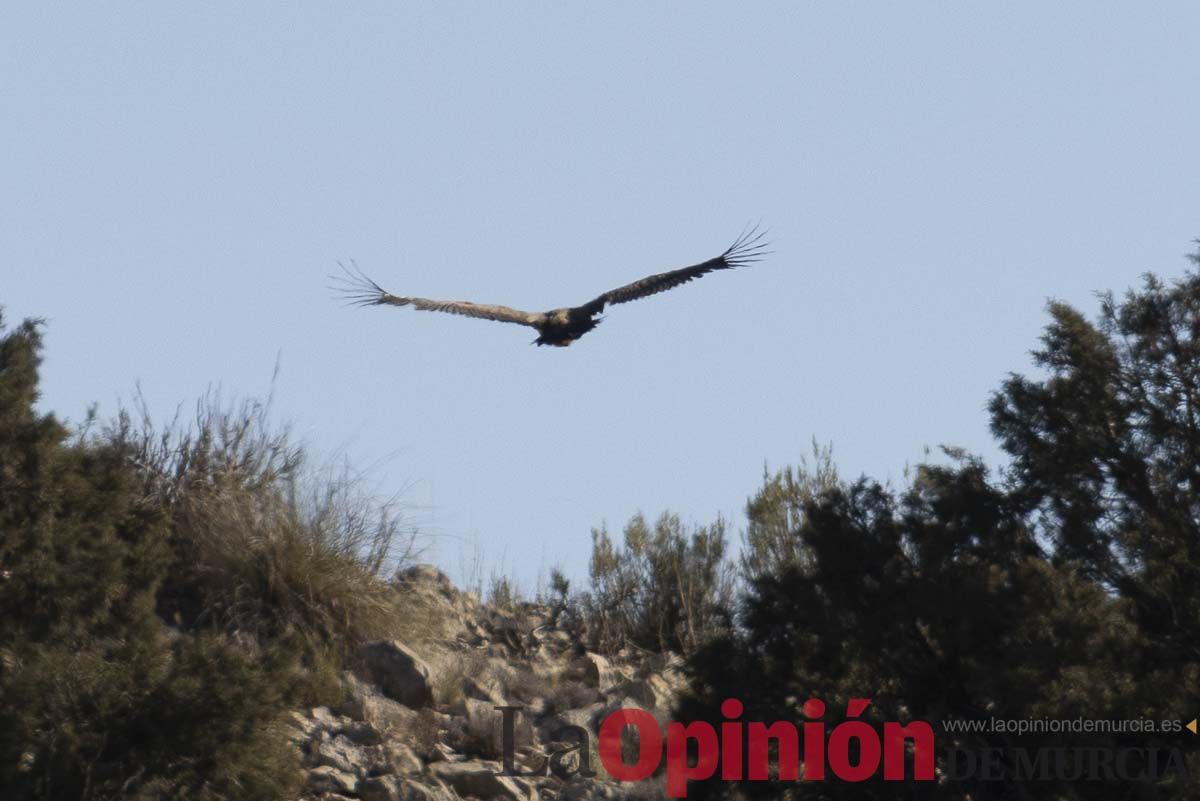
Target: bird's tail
x=355, y=289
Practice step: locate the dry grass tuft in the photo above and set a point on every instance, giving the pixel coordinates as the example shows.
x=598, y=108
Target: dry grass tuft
x=268, y=547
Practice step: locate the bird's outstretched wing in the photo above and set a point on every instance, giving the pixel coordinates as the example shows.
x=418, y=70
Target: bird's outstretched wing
x=749, y=247
x=358, y=290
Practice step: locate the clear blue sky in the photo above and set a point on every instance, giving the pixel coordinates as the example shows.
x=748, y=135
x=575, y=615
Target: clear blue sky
x=179, y=179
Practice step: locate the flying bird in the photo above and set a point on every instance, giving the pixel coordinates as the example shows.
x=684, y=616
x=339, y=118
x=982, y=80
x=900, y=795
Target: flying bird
x=559, y=327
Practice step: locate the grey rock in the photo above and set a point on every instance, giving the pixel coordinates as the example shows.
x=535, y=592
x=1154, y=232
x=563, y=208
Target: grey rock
x=578, y=717
x=383, y=788
x=399, y=788
x=327, y=779
x=365, y=703
x=325, y=719
x=481, y=779
x=401, y=759
x=594, y=670
x=300, y=727
x=651, y=693
x=400, y=673
x=361, y=733
x=427, y=576
x=342, y=754
x=444, y=753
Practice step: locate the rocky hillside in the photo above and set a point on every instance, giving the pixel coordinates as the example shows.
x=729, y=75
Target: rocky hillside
x=420, y=720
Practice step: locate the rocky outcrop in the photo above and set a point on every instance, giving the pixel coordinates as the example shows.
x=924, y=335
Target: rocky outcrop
x=594, y=671
x=399, y=672
x=419, y=719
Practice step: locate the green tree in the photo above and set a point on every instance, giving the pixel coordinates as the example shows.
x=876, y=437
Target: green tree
x=1063, y=588
x=97, y=698
x=1106, y=458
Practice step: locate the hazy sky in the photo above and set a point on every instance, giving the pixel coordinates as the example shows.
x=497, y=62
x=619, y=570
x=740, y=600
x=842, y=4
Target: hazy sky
x=178, y=180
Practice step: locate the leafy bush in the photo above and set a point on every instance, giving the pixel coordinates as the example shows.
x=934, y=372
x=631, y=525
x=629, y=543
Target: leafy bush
x=777, y=511
x=665, y=589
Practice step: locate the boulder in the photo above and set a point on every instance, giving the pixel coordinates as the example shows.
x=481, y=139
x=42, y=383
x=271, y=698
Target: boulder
x=401, y=759
x=366, y=704
x=400, y=673
x=326, y=720
x=382, y=788
x=651, y=693
x=483, y=725
x=341, y=753
x=399, y=788
x=481, y=779
x=594, y=671
x=580, y=717
x=300, y=727
x=327, y=779
x=361, y=733
x=426, y=577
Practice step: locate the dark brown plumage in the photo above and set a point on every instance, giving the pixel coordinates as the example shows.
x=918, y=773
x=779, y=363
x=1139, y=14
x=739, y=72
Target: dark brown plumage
x=558, y=327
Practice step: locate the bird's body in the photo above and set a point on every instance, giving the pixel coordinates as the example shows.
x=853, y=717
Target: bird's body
x=563, y=326
x=558, y=327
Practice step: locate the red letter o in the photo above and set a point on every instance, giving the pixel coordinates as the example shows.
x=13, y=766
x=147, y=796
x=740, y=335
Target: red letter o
x=649, y=744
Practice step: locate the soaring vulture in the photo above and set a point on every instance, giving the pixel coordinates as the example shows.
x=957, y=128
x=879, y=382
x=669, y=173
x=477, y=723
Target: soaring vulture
x=558, y=327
